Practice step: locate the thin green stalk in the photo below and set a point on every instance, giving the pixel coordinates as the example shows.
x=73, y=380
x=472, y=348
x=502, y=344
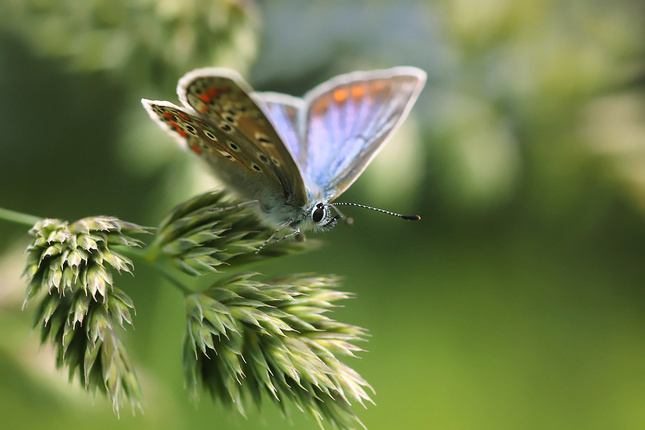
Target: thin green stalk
x=137, y=253
x=18, y=217
x=173, y=280
x=148, y=257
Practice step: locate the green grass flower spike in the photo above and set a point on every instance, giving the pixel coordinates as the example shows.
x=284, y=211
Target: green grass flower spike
x=69, y=272
x=248, y=338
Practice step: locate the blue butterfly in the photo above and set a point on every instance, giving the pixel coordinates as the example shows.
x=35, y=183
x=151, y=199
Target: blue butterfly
x=293, y=156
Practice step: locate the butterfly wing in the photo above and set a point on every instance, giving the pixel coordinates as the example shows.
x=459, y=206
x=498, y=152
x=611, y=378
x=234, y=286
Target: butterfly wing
x=243, y=171
x=223, y=98
x=284, y=112
x=347, y=121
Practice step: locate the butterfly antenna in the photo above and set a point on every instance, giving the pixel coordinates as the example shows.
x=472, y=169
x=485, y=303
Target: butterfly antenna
x=408, y=217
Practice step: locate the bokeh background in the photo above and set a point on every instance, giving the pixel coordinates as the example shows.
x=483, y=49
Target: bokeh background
x=517, y=303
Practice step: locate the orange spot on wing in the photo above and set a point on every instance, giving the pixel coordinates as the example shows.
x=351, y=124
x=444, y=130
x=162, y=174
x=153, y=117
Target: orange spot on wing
x=205, y=98
x=169, y=116
x=340, y=95
x=196, y=149
x=377, y=86
x=183, y=116
x=215, y=92
x=358, y=92
x=318, y=108
x=178, y=129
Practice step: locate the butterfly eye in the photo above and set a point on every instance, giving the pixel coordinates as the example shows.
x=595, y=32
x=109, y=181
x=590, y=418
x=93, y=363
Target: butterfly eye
x=319, y=212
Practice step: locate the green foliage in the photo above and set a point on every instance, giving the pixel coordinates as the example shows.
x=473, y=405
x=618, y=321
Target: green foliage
x=143, y=39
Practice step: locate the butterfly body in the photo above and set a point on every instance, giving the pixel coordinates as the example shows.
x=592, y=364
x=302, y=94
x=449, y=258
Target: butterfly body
x=292, y=156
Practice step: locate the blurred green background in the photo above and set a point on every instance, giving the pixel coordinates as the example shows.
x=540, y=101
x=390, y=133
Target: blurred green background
x=518, y=301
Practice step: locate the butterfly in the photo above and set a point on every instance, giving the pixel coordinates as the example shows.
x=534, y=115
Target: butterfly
x=291, y=156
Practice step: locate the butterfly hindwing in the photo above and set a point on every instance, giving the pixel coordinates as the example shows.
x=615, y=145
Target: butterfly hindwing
x=223, y=98
x=284, y=112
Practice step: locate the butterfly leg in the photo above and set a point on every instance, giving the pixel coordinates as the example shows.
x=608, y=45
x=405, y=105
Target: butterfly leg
x=270, y=240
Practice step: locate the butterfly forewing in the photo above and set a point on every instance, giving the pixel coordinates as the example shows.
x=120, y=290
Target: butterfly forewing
x=222, y=97
x=240, y=169
x=348, y=120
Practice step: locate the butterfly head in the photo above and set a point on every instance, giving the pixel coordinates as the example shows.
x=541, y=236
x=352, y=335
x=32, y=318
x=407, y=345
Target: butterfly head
x=319, y=215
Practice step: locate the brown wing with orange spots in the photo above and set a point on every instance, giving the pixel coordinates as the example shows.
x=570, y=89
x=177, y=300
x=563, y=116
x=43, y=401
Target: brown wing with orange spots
x=222, y=97
x=245, y=172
